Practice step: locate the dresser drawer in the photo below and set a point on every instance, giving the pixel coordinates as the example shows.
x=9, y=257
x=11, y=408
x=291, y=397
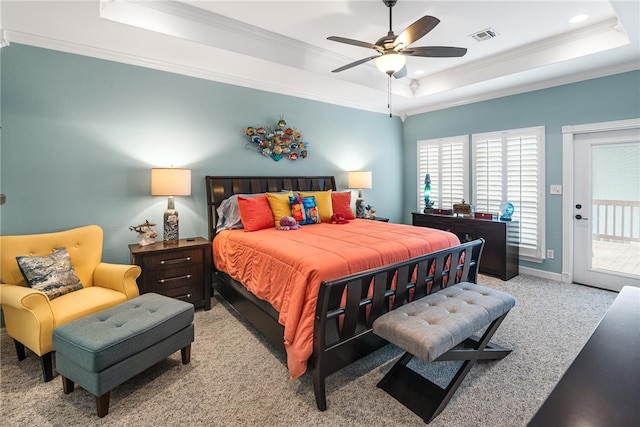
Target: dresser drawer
x=172, y=260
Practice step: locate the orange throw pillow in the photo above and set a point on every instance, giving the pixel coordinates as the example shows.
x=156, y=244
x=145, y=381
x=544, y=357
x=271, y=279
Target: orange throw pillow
x=255, y=213
x=341, y=203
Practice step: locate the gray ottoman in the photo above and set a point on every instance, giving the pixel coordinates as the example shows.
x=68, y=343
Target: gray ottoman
x=105, y=349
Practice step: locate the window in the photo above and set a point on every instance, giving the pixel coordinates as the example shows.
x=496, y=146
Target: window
x=509, y=166
x=445, y=160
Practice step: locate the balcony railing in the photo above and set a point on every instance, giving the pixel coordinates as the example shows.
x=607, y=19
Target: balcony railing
x=615, y=220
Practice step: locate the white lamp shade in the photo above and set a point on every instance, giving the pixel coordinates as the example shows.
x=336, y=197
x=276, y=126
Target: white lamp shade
x=360, y=179
x=390, y=62
x=170, y=182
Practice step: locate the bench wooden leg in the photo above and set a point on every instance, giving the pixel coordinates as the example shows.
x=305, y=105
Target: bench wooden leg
x=67, y=385
x=102, y=404
x=185, y=352
x=427, y=399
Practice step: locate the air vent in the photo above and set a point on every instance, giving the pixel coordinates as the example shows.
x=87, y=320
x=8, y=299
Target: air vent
x=485, y=34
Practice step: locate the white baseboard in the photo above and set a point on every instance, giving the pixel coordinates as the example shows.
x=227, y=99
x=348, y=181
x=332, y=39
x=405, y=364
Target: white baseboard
x=556, y=277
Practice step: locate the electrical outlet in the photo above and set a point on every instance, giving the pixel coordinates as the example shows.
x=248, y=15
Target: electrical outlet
x=550, y=253
x=555, y=189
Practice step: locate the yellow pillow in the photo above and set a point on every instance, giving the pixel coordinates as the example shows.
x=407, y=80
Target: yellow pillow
x=280, y=206
x=323, y=201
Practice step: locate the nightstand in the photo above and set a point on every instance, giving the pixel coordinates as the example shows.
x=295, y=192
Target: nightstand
x=179, y=270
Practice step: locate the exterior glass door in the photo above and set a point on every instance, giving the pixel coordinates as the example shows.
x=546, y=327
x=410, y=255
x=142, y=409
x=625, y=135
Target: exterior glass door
x=606, y=211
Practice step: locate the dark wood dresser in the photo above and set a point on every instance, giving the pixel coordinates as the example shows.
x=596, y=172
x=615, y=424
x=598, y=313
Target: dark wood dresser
x=500, y=253
x=602, y=385
x=179, y=270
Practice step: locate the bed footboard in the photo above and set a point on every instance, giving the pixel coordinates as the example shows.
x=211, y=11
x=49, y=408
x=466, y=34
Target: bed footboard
x=348, y=306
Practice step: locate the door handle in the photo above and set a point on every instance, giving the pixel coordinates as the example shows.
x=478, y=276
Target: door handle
x=580, y=217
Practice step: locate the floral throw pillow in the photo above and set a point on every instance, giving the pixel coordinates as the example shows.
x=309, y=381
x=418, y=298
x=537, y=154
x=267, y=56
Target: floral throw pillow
x=52, y=274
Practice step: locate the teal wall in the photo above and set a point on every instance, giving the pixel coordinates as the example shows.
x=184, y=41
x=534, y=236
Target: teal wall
x=80, y=135
x=604, y=99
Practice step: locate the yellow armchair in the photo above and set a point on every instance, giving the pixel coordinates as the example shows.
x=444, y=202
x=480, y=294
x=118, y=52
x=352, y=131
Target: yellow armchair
x=30, y=316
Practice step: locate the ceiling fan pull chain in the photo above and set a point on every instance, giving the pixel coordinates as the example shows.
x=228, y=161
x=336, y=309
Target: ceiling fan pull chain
x=389, y=96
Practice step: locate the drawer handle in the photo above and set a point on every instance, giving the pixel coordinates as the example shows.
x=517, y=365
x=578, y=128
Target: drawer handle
x=186, y=276
x=175, y=261
x=185, y=296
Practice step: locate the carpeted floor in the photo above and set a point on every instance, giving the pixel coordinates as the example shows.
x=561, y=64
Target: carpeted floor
x=236, y=379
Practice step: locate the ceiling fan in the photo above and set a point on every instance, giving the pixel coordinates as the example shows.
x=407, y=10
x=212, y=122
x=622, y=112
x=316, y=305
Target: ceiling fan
x=391, y=49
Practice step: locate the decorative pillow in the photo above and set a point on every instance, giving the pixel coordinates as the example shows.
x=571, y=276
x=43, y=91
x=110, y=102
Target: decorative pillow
x=255, y=213
x=280, y=206
x=52, y=274
x=323, y=202
x=341, y=202
x=304, y=212
x=297, y=209
x=228, y=214
x=310, y=208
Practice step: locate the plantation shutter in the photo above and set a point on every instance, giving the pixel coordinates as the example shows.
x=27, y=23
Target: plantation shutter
x=509, y=166
x=445, y=161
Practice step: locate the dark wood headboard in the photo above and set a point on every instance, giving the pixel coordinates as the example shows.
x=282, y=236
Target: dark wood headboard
x=221, y=187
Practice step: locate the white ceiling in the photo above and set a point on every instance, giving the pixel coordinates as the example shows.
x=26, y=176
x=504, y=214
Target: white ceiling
x=282, y=46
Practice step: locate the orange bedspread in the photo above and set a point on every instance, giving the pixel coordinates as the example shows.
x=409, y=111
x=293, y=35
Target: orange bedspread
x=286, y=268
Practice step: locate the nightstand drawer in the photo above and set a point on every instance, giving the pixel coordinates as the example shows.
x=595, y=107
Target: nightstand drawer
x=179, y=269
x=190, y=294
x=158, y=281
x=172, y=260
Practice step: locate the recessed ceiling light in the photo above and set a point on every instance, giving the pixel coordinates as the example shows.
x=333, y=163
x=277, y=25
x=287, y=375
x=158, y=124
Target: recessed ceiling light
x=578, y=18
x=418, y=72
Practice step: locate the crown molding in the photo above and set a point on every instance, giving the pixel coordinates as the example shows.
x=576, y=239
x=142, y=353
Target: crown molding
x=516, y=90
x=201, y=73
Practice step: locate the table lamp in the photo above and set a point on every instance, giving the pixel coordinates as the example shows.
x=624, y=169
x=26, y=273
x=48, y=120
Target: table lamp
x=170, y=182
x=360, y=180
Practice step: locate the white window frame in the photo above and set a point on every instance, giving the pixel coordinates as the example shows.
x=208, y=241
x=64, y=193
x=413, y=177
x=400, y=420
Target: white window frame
x=528, y=251
x=440, y=144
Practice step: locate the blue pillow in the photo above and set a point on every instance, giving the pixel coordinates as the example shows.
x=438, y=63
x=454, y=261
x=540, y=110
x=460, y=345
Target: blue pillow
x=304, y=210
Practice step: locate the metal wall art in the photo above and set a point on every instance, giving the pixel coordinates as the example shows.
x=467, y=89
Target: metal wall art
x=277, y=142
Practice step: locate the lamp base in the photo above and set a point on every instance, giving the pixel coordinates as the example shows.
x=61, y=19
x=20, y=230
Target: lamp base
x=360, y=205
x=170, y=223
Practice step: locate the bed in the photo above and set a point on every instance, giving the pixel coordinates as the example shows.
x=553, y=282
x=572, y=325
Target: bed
x=341, y=299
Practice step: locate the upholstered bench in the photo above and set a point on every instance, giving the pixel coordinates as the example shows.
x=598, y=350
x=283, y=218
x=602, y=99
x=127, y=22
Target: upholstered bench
x=440, y=327
x=105, y=349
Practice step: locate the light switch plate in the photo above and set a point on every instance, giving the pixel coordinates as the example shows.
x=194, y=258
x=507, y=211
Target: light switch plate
x=555, y=189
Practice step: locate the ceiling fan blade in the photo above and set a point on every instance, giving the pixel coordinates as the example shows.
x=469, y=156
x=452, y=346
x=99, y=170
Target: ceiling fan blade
x=402, y=72
x=353, y=64
x=436, y=51
x=354, y=42
x=416, y=31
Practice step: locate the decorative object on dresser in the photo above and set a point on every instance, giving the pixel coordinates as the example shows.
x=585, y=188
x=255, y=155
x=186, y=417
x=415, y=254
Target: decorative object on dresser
x=501, y=252
x=462, y=208
x=180, y=270
x=506, y=211
x=146, y=234
x=359, y=180
x=428, y=203
x=170, y=182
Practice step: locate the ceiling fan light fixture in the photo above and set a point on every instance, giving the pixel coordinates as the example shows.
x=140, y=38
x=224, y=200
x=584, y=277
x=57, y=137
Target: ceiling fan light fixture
x=389, y=63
